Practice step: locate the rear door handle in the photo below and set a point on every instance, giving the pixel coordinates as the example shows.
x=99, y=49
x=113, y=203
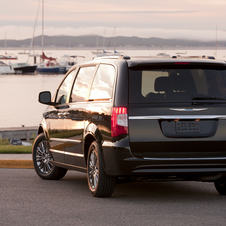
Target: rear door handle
x=61, y=114
x=66, y=113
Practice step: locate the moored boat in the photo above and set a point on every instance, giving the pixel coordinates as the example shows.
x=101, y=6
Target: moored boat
x=6, y=69
x=7, y=57
x=69, y=61
x=50, y=66
x=24, y=68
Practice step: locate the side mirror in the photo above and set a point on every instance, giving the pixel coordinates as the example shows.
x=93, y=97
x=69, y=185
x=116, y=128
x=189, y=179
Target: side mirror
x=45, y=98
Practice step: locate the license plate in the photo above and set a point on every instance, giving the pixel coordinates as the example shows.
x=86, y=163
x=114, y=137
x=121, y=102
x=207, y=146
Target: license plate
x=187, y=127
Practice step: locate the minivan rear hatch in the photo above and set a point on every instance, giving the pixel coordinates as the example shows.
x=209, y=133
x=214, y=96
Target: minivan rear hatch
x=177, y=109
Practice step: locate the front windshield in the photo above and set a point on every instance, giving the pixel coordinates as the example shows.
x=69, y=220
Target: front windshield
x=177, y=85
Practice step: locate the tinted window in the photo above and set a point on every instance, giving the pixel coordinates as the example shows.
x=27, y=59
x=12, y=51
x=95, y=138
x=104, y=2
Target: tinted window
x=103, y=83
x=65, y=88
x=176, y=85
x=82, y=82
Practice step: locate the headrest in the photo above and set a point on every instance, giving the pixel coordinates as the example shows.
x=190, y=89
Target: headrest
x=163, y=84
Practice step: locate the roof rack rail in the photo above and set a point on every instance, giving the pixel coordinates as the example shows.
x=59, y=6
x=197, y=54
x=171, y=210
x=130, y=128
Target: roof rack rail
x=203, y=56
x=112, y=57
x=142, y=56
x=124, y=57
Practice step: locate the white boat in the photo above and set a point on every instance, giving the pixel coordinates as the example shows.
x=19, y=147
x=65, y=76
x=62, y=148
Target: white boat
x=23, y=53
x=100, y=53
x=163, y=55
x=68, y=61
x=6, y=69
x=7, y=57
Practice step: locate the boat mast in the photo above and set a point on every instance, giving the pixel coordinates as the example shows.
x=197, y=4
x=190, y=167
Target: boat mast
x=114, y=39
x=33, y=36
x=104, y=39
x=42, y=24
x=216, y=44
x=5, y=43
x=97, y=42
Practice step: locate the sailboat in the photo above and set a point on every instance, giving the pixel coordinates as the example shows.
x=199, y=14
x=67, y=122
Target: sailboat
x=6, y=56
x=102, y=52
x=48, y=64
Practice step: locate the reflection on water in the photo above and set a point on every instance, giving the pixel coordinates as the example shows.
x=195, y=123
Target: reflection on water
x=19, y=98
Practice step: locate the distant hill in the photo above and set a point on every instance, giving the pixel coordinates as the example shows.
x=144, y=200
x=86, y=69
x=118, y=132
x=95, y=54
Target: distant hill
x=119, y=42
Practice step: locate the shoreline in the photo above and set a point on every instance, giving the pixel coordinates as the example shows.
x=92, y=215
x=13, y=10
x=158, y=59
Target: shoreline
x=118, y=48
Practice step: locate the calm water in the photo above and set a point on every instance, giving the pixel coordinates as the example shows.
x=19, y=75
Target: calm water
x=19, y=93
x=19, y=98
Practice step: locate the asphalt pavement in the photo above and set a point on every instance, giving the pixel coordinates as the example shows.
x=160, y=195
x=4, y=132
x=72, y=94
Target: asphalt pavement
x=28, y=200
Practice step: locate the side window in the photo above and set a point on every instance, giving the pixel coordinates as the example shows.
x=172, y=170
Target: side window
x=82, y=84
x=64, y=89
x=103, y=83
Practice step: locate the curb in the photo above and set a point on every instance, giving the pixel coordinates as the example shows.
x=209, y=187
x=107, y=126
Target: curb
x=17, y=164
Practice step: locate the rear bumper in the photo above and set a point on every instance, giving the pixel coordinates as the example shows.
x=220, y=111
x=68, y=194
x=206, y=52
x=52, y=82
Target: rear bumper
x=120, y=162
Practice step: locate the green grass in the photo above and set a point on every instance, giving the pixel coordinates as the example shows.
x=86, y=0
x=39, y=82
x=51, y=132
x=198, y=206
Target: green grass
x=6, y=148
x=13, y=149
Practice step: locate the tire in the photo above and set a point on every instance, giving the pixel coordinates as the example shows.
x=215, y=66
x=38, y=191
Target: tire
x=42, y=160
x=220, y=185
x=100, y=184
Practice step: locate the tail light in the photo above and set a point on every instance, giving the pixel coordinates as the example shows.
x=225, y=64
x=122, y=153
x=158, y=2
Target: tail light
x=119, y=121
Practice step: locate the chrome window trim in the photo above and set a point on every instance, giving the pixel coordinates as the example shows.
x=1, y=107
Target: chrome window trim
x=177, y=117
x=56, y=151
x=65, y=140
x=184, y=159
x=74, y=154
x=67, y=153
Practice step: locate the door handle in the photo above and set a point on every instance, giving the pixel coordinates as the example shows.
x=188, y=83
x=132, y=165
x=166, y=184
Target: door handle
x=66, y=113
x=61, y=114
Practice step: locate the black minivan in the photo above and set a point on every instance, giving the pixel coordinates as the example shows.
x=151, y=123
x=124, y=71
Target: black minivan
x=128, y=117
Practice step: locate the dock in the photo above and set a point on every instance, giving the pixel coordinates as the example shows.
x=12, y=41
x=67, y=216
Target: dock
x=22, y=133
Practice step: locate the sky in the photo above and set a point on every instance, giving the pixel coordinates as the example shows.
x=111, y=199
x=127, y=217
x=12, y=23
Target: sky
x=202, y=20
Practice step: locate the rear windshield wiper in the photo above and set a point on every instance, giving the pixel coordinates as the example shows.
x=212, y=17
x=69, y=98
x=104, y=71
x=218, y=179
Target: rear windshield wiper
x=207, y=98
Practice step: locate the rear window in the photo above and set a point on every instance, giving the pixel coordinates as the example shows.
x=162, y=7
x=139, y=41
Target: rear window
x=176, y=85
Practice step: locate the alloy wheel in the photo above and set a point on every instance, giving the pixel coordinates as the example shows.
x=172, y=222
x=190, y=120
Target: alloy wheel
x=93, y=170
x=43, y=158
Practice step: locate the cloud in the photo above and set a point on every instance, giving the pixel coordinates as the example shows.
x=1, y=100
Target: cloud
x=193, y=19
x=132, y=12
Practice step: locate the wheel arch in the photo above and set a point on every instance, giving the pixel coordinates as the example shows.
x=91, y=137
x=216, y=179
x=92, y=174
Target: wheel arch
x=92, y=133
x=42, y=130
x=88, y=141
